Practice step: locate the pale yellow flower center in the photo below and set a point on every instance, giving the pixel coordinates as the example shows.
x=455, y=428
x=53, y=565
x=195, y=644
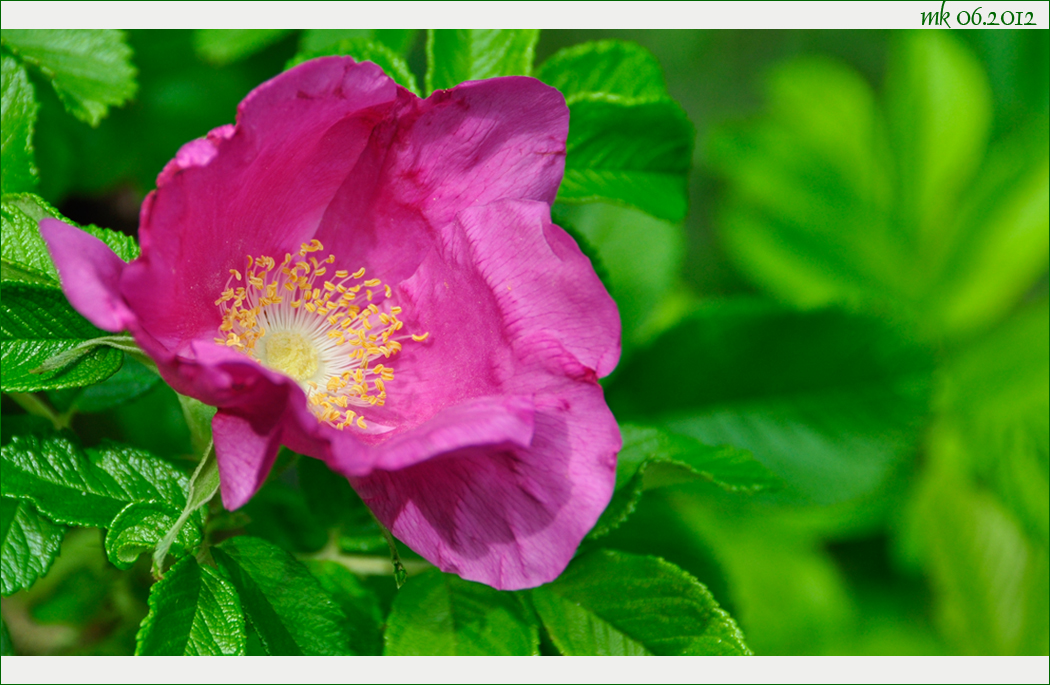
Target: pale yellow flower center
x=325, y=334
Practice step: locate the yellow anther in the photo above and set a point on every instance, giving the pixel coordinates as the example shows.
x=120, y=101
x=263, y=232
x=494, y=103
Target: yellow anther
x=342, y=273
x=420, y=338
x=361, y=423
x=236, y=274
x=359, y=273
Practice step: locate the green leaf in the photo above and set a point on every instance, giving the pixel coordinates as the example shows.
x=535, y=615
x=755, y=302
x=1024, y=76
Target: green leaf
x=141, y=525
x=25, y=256
x=609, y=603
x=193, y=611
x=132, y=380
x=36, y=325
x=364, y=50
x=629, y=142
x=939, y=104
x=318, y=40
x=86, y=487
x=225, y=46
x=994, y=414
x=612, y=67
x=440, y=614
x=458, y=55
x=808, y=215
x=652, y=458
x=364, y=620
x=634, y=154
x=992, y=582
x=888, y=207
x=24, y=253
x=28, y=544
x=284, y=603
x=90, y=68
x=17, y=119
x=829, y=402
x=1002, y=239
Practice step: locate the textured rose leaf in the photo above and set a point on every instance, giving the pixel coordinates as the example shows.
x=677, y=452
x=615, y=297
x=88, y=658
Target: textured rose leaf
x=617, y=68
x=28, y=544
x=365, y=50
x=224, y=46
x=830, y=402
x=653, y=458
x=283, y=601
x=36, y=325
x=614, y=604
x=17, y=119
x=637, y=154
x=86, y=487
x=141, y=525
x=24, y=256
x=89, y=68
x=193, y=611
x=629, y=142
x=364, y=618
x=458, y=55
x=438, y=614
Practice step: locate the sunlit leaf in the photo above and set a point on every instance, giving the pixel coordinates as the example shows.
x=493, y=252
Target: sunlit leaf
x=17, y=119
x=652, y=458
x=90, y=68
x=141, y=525
x=193, y=611
x=28, y=544
x=364, y=50
x=438, y=614
x=86, y=487
x=36, y=325
x=283, y=601
x=614, y=604
x=458, y=55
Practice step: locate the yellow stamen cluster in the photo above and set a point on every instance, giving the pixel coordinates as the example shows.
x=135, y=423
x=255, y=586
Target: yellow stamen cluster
x=323, y=332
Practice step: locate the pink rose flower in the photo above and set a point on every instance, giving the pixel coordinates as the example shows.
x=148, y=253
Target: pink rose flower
x=373, y=280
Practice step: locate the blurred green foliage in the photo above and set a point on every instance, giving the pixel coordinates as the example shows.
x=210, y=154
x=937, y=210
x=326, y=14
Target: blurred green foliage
x=857, y=298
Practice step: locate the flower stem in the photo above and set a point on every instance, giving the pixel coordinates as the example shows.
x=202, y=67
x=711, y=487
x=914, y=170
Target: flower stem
x=37, y=407
x=370, y=565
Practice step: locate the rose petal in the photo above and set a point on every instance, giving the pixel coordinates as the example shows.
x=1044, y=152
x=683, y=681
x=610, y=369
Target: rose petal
x=90, y=273
x=509, y=517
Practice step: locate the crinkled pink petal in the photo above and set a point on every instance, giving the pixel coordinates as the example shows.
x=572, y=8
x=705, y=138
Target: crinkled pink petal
x=544, y=286
x=249, y=446
x=90, y=274
x=478, y=143
x=509, y=517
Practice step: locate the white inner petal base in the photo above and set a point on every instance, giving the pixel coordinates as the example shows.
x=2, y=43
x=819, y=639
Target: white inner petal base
x=329, y=335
